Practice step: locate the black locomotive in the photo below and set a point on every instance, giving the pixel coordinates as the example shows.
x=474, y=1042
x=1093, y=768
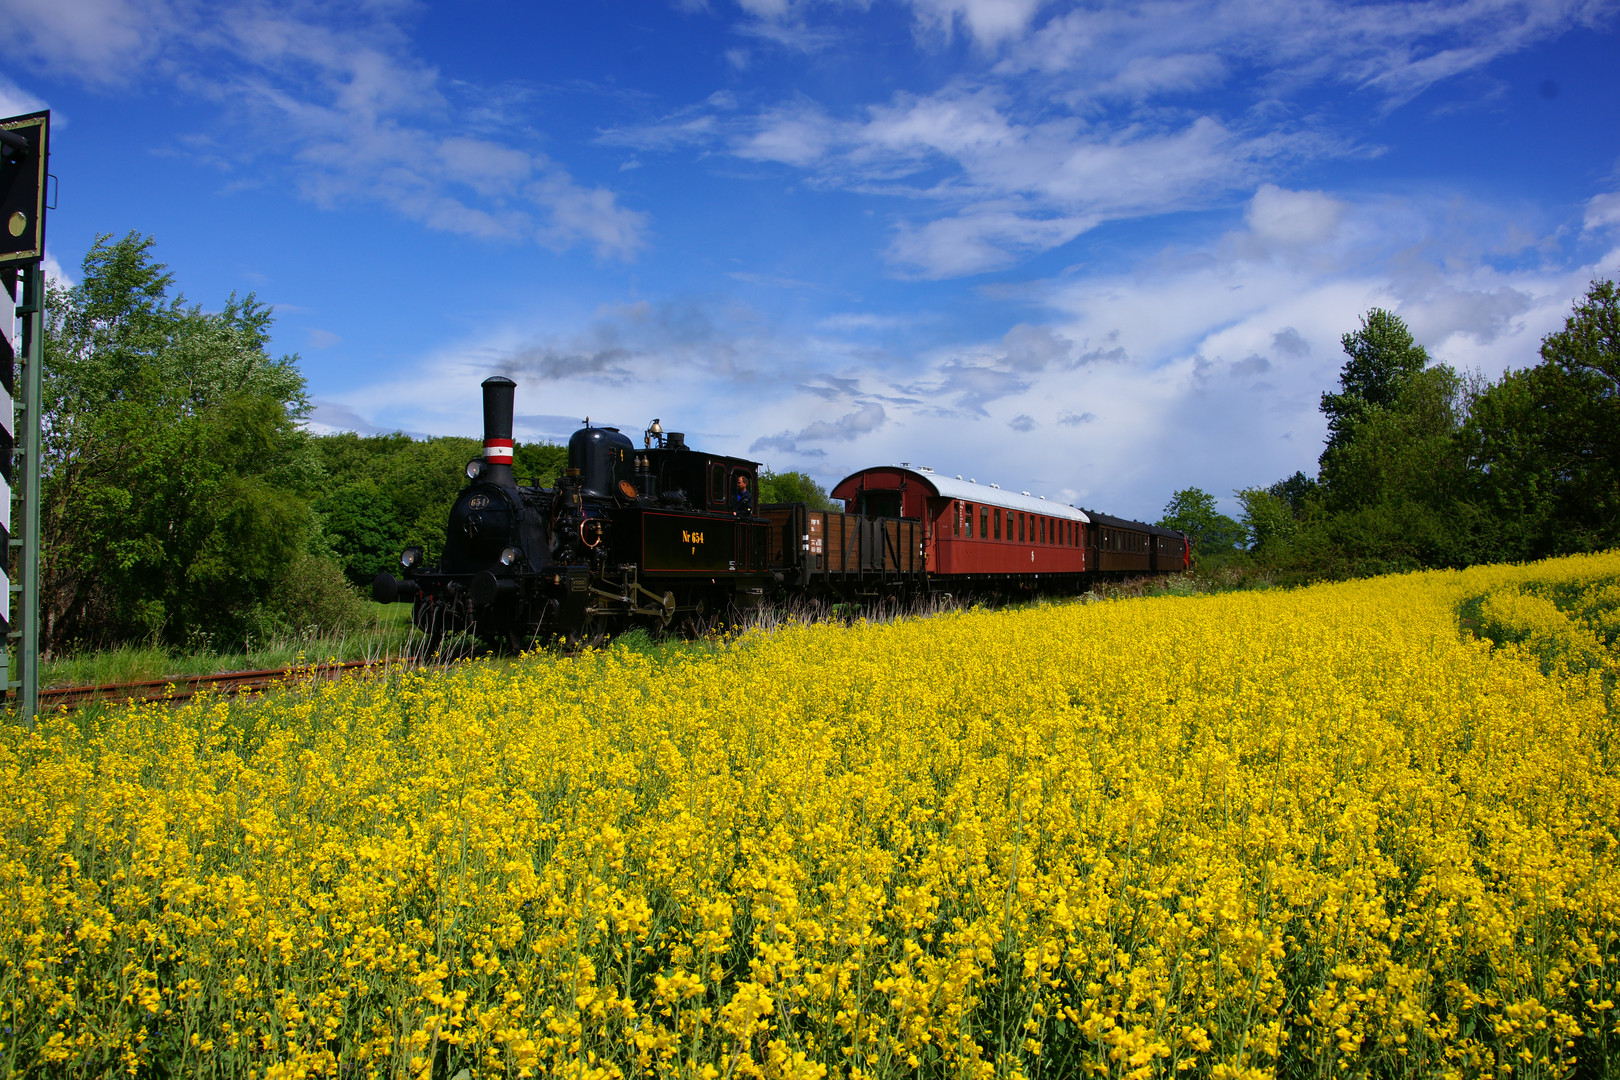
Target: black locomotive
x=650, y=535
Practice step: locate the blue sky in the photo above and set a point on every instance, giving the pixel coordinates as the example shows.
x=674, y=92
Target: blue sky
x=1096, y=252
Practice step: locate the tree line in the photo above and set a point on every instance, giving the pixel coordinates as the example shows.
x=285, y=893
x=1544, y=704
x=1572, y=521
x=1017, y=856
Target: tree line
x=1428, y=467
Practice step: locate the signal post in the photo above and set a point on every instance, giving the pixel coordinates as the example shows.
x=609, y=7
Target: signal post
x=24, y=169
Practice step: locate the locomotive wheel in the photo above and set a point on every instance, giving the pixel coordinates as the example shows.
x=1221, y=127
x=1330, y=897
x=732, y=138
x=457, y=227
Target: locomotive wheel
x=699, y=622
x=592, y=632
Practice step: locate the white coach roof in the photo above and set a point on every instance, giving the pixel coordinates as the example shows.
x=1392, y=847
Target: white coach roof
x=947, y=487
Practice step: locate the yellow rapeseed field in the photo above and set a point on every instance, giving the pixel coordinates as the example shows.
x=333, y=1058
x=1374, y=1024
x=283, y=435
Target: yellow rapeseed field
x=1323, y=832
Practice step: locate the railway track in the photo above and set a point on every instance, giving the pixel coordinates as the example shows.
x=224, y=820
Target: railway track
x=184, y=688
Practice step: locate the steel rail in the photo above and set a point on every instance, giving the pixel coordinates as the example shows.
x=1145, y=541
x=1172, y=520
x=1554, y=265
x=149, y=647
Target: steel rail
x=186, y=687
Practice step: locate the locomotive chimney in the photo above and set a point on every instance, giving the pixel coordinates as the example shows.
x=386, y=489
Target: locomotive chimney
x=498, y=391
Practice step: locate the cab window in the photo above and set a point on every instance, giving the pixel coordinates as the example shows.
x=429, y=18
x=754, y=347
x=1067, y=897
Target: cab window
x=748, y=479
x=717, y=484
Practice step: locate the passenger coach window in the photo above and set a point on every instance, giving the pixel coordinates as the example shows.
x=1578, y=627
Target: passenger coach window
x=984, y=524
x=969, y=516
x=956, y=517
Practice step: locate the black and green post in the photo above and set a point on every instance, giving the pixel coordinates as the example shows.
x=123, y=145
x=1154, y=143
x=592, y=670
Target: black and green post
x=24, y=161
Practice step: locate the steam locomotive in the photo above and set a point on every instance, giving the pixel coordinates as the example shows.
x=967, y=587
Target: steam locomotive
x=662, y=533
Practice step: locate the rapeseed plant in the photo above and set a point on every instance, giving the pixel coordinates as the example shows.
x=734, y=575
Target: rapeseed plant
x=1315, y=833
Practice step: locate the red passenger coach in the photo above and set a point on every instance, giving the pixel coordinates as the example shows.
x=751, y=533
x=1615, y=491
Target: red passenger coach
x=973, y=531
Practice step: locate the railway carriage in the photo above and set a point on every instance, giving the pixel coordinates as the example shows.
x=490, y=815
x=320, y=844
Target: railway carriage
x=972, y=532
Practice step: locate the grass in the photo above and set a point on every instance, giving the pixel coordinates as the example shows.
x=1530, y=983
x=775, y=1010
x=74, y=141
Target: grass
x=385, y=635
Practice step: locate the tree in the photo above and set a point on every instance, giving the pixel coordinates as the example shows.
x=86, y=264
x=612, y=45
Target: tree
x=1296, y=492
x=1192, y=511
x=1382, y=357
x=1544, y=443
x=1268, y=522
x=539, y=463
x=177, y=480
x=789, y=487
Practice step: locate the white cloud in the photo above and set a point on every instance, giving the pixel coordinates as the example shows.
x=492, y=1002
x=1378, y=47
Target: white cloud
x=797, y=135
x=1602, y=211
x=1144, y=77
x=99, y=41
x=334, y=94
x=987, y=237
x=14, y=100
x=1395, y=49
x=1077, y=123
x=1292, y=218
x=1002, y=187
x=54, y=271
x=989, y=21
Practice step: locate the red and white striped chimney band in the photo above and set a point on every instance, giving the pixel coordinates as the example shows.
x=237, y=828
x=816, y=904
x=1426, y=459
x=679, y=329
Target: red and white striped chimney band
x=498, y=451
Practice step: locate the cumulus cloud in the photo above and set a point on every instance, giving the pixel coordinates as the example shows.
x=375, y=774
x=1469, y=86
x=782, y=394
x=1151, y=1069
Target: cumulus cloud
x=1292, y=218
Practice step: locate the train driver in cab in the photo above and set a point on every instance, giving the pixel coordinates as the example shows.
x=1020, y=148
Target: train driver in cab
x=742, y=500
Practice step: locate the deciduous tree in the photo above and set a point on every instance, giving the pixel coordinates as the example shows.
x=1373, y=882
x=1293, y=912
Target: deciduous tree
x=177, y=480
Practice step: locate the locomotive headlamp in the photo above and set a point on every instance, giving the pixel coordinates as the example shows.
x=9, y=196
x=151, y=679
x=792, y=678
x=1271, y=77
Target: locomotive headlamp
x=475, y=468
x=410, y=557
x=508, y=556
